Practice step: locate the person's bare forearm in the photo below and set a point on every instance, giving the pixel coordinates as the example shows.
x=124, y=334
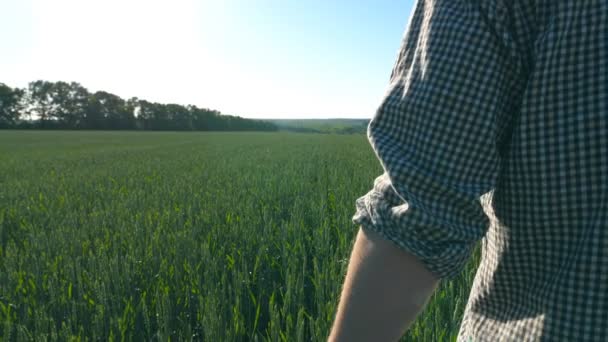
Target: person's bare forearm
x=384, y=290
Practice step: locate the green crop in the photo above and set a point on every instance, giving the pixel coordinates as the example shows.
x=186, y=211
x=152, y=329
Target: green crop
x=185, y=236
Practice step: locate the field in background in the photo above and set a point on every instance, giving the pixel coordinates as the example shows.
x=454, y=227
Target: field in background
x=339, y=126
x=203, y=236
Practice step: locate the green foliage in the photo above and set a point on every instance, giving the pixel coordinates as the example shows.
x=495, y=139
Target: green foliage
x=70, y=103
x=185, y=236
x=10, y=105
x=109, y=111
x=40, y=101
x=61, y=105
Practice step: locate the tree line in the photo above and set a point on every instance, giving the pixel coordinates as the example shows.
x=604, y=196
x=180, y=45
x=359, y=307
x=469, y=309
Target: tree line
x=62, y=105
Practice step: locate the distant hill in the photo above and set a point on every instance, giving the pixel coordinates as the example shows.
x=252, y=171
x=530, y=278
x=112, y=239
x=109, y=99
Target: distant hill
x=339, y=126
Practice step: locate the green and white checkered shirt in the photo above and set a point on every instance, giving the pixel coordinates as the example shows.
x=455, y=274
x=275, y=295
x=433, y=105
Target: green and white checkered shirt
x=495, y=128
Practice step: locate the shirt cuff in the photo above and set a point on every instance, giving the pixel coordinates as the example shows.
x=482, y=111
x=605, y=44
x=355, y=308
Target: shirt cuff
x=441, y=250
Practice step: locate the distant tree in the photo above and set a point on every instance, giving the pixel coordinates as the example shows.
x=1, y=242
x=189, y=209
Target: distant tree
x=199, y=120
x=151, y=116
x=70, y=104
x=109, y=111
x=40, y=102
x=96, y=117
x=10, y=105
x=57, y=105
x=178, y=117
x=143, y=110
x=215, y=121
x=133, y=106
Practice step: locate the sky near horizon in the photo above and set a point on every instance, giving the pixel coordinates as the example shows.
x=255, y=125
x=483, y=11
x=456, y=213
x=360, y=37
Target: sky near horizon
x=252, y=58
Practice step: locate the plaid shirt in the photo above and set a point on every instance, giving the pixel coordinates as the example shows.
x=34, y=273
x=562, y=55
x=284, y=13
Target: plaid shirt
x=494, y=128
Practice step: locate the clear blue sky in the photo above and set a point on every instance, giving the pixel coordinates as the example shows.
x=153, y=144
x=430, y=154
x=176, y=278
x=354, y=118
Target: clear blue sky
x=253, y=58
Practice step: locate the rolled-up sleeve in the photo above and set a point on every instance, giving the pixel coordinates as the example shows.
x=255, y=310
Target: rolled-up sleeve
x=438, y=133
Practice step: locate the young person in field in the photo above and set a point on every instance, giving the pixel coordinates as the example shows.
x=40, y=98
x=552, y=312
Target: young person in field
x=494, y=129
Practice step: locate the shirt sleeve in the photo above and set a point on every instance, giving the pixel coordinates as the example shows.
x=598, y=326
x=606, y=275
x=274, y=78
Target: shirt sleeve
x=438, y=134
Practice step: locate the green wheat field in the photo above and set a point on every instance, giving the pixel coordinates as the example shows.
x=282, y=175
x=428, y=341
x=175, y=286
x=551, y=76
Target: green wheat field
x=158, y=236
